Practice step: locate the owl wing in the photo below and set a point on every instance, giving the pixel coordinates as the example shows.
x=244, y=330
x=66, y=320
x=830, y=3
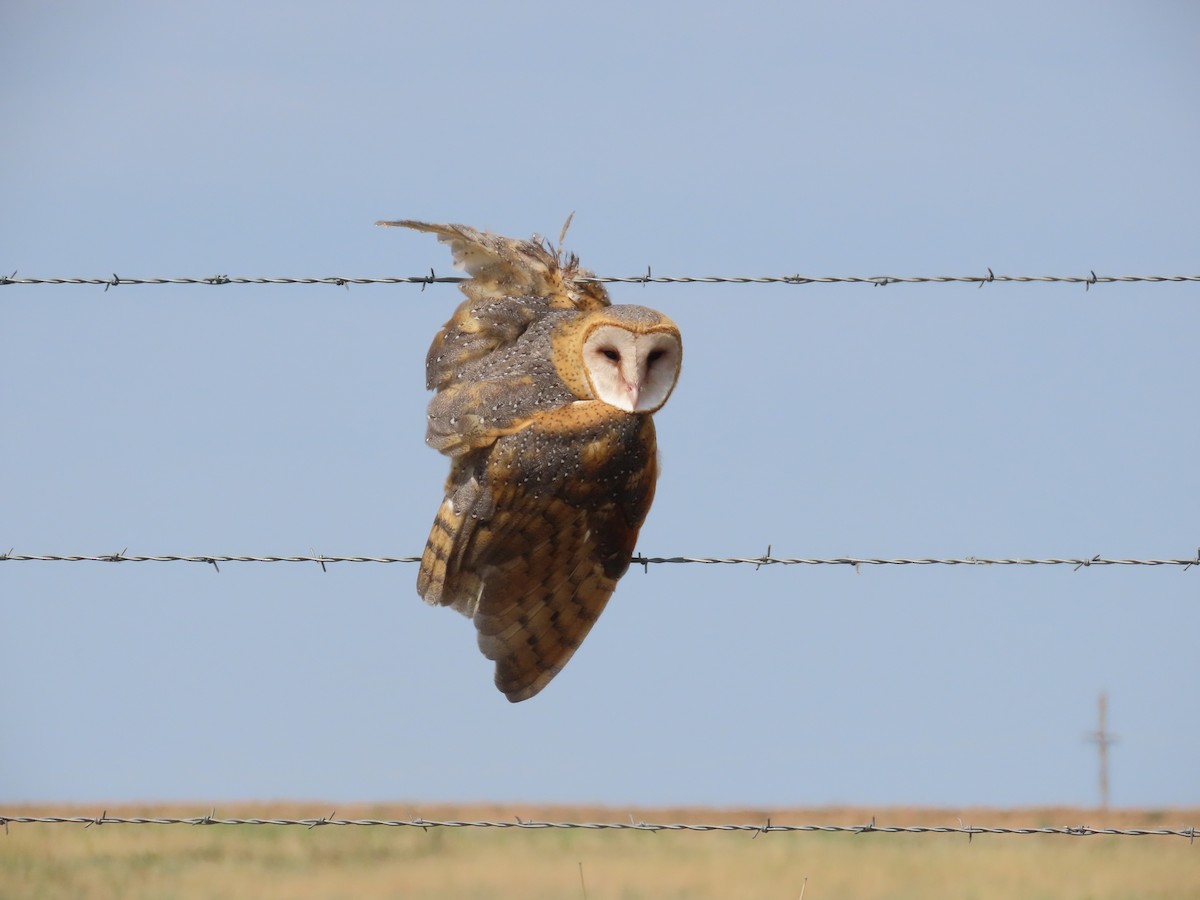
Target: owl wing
x=500, y=393
x=513, y=283
x=478, y=328
x=536, y=530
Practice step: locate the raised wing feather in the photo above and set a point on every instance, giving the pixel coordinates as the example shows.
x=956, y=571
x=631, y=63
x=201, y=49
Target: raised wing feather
x=498, y=266
x=508, y=267
x=513, y=283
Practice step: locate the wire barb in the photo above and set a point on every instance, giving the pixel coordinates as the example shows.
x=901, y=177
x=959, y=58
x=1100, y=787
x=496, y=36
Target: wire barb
x=319, y=558
x=967, y=828
x=864, y=829
x=324, y=820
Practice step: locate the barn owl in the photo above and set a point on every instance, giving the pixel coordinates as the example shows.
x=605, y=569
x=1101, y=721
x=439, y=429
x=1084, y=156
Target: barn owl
x=544, y=395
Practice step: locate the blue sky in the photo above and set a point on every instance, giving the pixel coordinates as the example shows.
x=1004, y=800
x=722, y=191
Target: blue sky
x=264, y=139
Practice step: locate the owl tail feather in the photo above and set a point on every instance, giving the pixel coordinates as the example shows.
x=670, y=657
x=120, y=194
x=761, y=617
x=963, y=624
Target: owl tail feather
x=438, y=581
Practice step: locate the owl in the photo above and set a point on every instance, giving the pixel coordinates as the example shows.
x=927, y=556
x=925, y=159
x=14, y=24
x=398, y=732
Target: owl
x=544, y=397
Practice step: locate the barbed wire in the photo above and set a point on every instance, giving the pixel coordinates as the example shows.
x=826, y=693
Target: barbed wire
x=654, y=827
x=638, y=560
x=649, y=278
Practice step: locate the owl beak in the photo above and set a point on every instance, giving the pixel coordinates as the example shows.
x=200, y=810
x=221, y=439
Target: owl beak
x=634, y=392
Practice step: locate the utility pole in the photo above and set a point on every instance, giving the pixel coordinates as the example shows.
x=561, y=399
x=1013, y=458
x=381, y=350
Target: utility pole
x=1103, y=739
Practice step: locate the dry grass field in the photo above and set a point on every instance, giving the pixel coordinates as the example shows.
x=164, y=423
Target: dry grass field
x=189, y=862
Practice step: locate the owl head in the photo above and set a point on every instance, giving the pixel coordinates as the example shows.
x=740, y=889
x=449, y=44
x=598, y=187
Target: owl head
x=626, y=356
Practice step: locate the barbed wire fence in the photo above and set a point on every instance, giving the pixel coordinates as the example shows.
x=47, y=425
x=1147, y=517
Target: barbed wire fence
x=755, y=830
x=638, y=560
x=653, y=827
x=648, y=278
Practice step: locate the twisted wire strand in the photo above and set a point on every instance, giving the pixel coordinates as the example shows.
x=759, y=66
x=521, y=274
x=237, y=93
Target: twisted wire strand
x=638, y=560
x=755, y=830
x=433, y=278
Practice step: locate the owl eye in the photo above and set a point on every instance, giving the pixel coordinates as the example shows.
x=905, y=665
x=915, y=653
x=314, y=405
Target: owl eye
x=612, y=354
x=654, y=355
